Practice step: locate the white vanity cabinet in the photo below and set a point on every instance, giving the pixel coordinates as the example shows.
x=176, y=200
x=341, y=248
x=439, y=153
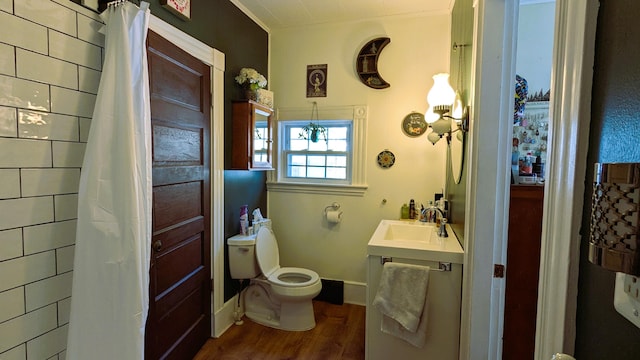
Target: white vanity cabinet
x=417, y=243
x=443, y=318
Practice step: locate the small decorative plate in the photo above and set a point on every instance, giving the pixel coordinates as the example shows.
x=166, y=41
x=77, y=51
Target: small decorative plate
x=414, y=124
x=386, y=159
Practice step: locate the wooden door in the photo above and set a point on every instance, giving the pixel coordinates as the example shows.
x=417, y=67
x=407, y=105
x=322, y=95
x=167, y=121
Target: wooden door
x=180, y=289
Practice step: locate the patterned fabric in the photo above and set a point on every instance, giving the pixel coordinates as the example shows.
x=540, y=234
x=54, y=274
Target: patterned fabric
x=522, y=90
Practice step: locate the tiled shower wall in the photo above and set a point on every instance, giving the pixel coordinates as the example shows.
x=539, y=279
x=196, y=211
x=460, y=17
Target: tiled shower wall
x=50, y=62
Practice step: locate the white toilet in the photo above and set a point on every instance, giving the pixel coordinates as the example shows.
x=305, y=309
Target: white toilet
x=279, y=297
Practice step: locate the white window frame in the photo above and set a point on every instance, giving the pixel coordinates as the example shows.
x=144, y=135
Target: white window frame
x=276, y=181
x=328, y=124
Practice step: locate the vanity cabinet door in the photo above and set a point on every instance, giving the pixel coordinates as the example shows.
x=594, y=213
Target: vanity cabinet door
x=252, y=136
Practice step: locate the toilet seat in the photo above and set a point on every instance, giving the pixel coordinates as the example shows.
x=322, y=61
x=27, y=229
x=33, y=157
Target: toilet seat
x=268, y=258
x=293, y=277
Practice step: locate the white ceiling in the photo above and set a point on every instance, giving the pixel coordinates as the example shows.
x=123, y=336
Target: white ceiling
x=274, y=14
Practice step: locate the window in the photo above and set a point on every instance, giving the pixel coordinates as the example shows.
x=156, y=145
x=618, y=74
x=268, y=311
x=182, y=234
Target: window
x=332, y=165
x=327, y=159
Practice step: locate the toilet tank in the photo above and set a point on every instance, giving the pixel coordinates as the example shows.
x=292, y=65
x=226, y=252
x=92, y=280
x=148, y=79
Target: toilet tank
x=242, y=257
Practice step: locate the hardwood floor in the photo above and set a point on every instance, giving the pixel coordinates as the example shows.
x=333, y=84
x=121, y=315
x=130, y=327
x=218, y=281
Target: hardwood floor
x=338, y=335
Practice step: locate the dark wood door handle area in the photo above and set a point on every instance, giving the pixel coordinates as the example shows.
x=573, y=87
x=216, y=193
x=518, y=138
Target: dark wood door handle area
x=157, y=246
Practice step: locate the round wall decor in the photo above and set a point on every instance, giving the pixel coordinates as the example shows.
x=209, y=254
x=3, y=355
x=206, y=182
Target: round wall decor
x=414, y=124
x=386, y=159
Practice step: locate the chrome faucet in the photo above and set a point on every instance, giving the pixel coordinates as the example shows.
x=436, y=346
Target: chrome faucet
x=442, y=228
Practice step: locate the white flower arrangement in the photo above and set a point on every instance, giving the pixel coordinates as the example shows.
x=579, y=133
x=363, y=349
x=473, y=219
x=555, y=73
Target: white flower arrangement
x=251, y=79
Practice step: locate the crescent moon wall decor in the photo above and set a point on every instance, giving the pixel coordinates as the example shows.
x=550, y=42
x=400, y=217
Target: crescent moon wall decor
x=367, y=63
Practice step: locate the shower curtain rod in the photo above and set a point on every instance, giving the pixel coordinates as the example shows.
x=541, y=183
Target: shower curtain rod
x=103, y=4
x=116, y=2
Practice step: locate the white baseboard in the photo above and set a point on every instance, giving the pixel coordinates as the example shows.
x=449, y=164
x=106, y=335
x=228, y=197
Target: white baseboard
x=223, y=319
x=355, y=293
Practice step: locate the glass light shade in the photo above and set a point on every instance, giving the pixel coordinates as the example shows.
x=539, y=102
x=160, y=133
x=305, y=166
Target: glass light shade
x=433, y=137
x=430, y=116
x=441, y=93
x=441, y=126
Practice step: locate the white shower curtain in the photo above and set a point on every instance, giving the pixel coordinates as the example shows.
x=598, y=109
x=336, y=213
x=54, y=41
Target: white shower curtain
x=109, y=301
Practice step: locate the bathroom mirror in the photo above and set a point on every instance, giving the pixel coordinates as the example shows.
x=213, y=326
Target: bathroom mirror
x=456, y=152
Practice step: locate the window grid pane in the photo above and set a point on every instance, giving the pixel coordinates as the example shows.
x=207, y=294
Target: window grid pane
x=326, y=159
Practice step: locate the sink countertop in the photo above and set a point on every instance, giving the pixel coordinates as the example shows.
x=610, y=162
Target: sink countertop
x=411, y=239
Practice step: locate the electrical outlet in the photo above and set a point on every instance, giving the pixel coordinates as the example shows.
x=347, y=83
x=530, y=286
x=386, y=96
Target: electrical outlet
x=632, y=286
x=626, y=298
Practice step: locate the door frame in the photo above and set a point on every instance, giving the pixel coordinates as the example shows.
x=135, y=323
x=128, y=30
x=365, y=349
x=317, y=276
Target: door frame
x=220, y=320
x=570, y=111
x=486, y=231
x=488, y=177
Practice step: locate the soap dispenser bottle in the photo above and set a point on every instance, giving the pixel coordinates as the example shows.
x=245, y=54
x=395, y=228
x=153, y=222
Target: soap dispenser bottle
x=404, y=211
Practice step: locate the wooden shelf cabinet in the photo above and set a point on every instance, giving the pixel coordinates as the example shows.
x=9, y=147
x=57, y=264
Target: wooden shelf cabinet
x=367, y=63
x=523, y=265
x=252, y=136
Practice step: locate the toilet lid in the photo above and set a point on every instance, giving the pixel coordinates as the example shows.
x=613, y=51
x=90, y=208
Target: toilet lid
x=267, y=251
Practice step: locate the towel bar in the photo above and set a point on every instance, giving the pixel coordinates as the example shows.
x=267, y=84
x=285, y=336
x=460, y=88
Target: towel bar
x=442, y=266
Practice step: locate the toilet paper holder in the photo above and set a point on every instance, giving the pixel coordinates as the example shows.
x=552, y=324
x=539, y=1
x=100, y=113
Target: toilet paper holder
x=333, y=214
x=335, y=206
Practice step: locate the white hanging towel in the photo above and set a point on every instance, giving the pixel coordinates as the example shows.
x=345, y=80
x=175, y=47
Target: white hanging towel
x=110, y=294
x=402, y=300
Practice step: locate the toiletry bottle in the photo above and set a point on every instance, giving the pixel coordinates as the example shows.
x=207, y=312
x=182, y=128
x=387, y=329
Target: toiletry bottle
x=412, y=209
x=527, y=169
x=431, y=214
x=404, y=211
x=244, y=219
x=444, y=206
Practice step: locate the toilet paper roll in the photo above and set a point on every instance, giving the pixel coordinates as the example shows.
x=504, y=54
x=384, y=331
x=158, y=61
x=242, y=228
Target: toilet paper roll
x=334, y=216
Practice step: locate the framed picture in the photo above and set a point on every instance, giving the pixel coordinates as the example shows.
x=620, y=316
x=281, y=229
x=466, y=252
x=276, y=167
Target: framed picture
x=181, y=8
x=317, y=80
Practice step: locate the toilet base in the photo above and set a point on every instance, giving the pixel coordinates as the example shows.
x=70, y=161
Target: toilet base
x=297, y=316
x=265, y=309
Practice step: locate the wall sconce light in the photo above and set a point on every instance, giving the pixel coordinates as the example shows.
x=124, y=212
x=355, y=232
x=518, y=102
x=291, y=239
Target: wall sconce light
x=445, y=105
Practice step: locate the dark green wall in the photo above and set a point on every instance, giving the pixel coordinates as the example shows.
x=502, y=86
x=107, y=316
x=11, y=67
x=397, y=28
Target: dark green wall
x=461, y=33
x=221, y=25
x=602, y=333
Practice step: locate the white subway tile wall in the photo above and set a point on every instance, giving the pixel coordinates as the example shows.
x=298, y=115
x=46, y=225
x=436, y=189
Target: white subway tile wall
x=42, y=68
x=23, y=33
x=66, y=207
x=10, y=180
x=50, y=63
x=48, y=236
x=10, y=245
x=6, y=5
x=47, y=126
x=12, y=304
x=17, y=353
x=7, y=60
x=8, y=126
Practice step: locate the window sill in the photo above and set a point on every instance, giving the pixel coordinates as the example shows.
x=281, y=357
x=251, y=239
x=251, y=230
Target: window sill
x=325, y=189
